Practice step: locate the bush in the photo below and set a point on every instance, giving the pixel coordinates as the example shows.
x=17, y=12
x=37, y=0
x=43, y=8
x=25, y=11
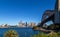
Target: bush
x=52, y=34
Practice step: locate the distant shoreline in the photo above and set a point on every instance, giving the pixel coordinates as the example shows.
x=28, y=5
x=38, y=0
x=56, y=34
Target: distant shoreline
x=18, y=27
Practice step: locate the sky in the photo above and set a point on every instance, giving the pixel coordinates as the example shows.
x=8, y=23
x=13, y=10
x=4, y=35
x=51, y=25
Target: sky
x=13, y=11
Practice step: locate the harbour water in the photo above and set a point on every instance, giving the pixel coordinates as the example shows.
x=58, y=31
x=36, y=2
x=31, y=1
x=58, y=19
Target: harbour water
x=22, y=32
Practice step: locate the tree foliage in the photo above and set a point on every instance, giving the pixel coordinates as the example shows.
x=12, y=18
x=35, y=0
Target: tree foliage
x=11, y=33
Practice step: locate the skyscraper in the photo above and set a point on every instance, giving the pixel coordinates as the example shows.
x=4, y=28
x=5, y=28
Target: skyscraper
x=57, y=12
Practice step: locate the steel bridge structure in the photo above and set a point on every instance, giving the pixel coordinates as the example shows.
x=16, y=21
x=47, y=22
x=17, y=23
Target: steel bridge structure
x=51, y=15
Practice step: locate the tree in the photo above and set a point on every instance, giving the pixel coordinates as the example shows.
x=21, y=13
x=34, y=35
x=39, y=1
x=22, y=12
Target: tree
x=11, y=33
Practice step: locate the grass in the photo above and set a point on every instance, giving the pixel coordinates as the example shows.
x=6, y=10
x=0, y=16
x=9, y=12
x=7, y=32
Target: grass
x=52, y=34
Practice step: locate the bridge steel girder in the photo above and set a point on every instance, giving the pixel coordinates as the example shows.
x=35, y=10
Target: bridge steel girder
x=50, y=14
x=47, y=14
x=46, y=20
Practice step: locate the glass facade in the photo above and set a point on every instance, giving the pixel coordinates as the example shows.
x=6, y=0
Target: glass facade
x=57, y=17
x=57, y=13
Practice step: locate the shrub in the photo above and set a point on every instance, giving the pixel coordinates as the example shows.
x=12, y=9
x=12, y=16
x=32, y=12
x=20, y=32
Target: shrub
x=52, y=34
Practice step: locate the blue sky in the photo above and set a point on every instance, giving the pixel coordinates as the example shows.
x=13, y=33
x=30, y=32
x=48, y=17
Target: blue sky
x=12, y=11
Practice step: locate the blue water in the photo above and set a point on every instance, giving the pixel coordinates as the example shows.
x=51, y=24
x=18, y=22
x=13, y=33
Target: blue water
x=22, y=32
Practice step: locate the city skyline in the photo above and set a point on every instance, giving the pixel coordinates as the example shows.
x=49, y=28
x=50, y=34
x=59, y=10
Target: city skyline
x=13, y=11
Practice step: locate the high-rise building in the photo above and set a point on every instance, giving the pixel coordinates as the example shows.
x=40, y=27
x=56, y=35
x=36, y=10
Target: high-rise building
x=57, y=12
x=26, y=24
x=59, y=4
x=31, y=24
x=21, y=24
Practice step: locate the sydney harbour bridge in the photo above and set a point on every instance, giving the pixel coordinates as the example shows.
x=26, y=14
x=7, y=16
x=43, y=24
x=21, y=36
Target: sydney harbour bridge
x=52, y=15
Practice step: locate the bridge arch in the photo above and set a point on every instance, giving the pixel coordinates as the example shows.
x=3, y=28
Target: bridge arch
x=46, y=15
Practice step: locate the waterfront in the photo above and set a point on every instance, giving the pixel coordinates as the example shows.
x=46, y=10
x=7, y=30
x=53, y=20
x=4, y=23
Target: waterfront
x=22, y=32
